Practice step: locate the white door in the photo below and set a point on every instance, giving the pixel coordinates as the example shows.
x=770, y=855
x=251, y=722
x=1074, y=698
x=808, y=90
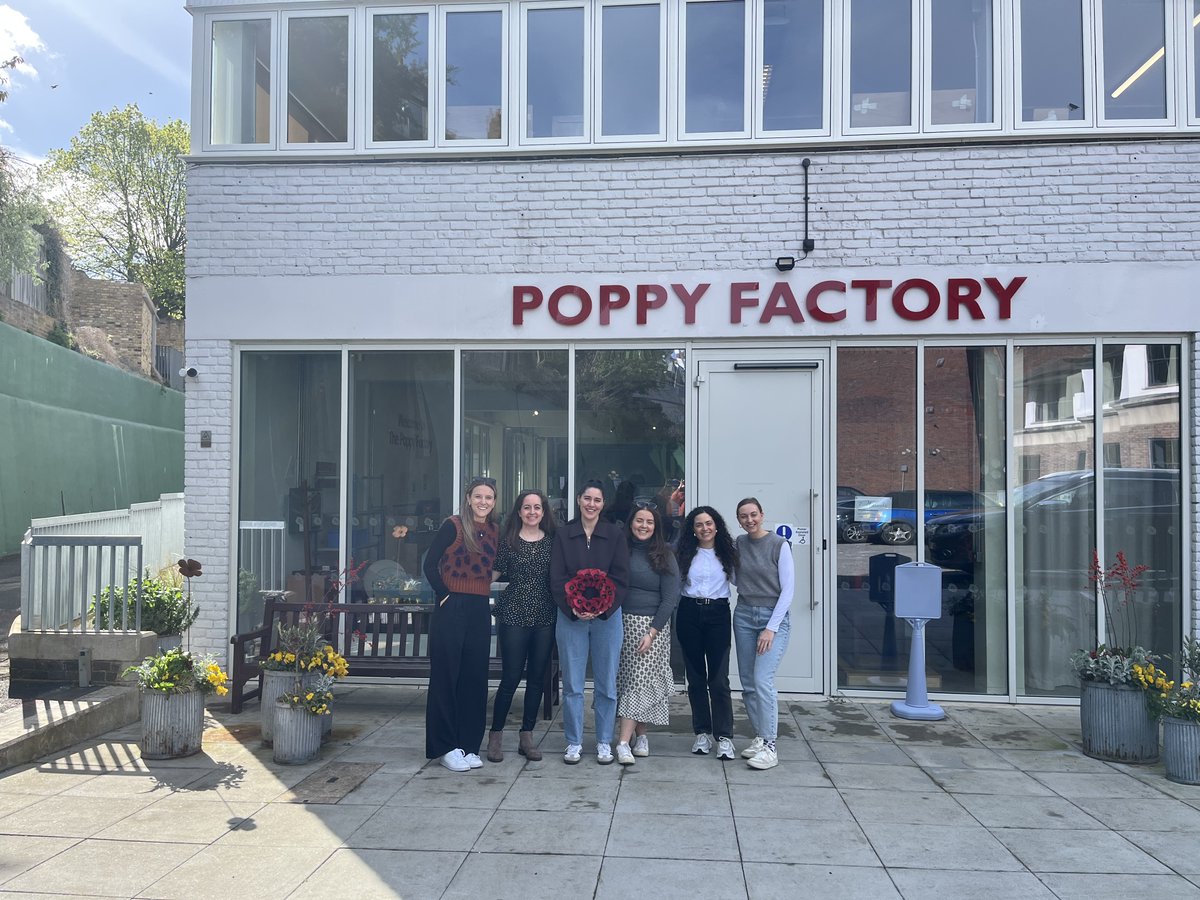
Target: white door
x=760, y=433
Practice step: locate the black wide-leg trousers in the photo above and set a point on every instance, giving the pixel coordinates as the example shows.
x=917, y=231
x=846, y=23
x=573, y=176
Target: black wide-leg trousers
x=459, y=651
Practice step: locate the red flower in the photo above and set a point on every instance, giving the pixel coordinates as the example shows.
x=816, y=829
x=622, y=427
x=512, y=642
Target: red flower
x=591, y=591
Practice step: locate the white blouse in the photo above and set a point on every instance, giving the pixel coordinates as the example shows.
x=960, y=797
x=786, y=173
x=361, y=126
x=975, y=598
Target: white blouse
x=705, y=577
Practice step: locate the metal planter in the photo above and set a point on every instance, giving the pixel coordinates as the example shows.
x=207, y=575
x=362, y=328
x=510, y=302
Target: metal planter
x=1181, y=750
x=172, y=724
x=297, y=735
x=1116, y=724
x=274, y=684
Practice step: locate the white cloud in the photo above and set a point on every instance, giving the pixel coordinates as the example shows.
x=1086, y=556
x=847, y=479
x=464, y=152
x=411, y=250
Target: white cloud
x=5, y=126
x=112, y=26
x=18, y=39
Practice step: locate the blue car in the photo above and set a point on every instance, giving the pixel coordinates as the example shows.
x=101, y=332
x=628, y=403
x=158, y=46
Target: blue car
x=892, y=518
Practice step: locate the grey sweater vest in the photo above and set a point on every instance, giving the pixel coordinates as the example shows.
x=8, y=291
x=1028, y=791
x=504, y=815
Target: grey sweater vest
x=758, y=569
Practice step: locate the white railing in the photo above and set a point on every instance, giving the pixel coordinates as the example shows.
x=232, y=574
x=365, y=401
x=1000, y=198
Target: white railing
x=260, y=552
x=158, y=523
x=62, y=575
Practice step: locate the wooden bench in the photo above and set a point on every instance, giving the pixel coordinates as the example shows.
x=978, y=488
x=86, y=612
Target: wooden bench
x=378, y=640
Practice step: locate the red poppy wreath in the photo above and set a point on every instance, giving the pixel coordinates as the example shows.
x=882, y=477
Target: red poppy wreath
x=591, y=591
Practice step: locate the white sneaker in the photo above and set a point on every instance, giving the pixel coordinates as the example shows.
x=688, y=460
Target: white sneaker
x=572, y=754
x=766, y=758
x=641, y=746
x=624, y=755
x=604, y=754
x=473, y=760
x=703, y=744
x=455, y=761
x=755, y=745
x=725, y=748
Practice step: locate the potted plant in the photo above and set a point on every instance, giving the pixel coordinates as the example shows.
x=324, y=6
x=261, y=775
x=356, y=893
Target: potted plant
x=1178, y=703
x=300, y=712
x=1114, y=718
x=173, y=684
x=302, y=658
x=165, y=610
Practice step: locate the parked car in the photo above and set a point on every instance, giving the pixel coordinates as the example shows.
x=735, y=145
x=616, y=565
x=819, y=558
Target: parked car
x=1057, y=514
x=850, y=531
x=899, y=522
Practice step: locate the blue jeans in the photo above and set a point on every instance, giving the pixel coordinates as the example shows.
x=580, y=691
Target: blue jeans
x=758, y=672
x=601, y=638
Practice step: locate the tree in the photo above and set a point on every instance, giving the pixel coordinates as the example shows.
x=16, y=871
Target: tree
x=20, y=208
x=119, y=195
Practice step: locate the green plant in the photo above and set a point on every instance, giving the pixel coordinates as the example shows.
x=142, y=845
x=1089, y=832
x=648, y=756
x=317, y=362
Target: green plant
x=165, y=610
x=1116, y=662
x=59, y=335
x=1112, y=664
x=316, y=697
x=1180, y=699
x=177, y=671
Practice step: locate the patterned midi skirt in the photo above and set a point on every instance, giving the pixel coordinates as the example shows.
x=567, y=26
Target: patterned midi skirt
x=645, y=683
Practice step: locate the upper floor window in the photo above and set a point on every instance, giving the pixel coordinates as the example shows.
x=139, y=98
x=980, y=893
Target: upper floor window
x=555, y=72
x=475, y=77
x=961, y=62
x=714, y=99
x=318, y=79
x=881, y=78
x=240, y=83
x=1192, y=23
x=1134, y=48
x=793, y=65
x=632, y=70
x=399, y=82
x=1053, y=60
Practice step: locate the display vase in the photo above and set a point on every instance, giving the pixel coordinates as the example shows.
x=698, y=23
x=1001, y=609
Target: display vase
x=1116, y=724
x=297, y=733
x=172, y=724
x=1181, y=750
x=274, y=684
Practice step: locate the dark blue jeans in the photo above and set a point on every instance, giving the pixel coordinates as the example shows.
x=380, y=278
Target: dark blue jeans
x=705, y=632
x=524, y=650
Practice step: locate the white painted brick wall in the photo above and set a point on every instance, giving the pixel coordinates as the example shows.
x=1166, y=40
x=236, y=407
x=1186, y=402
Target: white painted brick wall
x=1002, y=204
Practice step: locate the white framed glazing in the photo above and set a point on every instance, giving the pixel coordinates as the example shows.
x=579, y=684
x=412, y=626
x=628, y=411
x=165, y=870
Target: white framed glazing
x=473, y=105
x=623, y=57
x=710, y=103
x=961, y=89
x=213, y=90
x=316, y=118
x=1190, y=24
x=880, y=66
x=782, y=67
x=1135, y=62
x=396, y=42
x=556, y=110
x=1045, y=49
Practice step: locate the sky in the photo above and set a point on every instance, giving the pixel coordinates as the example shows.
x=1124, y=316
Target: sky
x=86, y=56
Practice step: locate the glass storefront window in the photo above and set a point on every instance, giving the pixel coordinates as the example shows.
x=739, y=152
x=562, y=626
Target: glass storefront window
x=876, y=472
x=288, y=494
x=401, y=465
x=631, y=70
x=241, y=82
x=554, y=72
x=629, y=428
x=1054, y=509
x=964, y=515
x=793, y=72
x=714, y=66
x=880, y=63
x=1135, y=64
x=400, y=77
x=1143, y=508
x=474, y=75
x=961, y=66
x=515, y=423
x=1050, y=84
x=318, y=79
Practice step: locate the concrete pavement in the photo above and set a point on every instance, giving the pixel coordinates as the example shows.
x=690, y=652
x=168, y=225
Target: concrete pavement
x=996, y=801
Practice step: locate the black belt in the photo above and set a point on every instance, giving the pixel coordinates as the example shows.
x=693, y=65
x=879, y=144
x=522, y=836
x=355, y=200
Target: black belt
x=706, y=601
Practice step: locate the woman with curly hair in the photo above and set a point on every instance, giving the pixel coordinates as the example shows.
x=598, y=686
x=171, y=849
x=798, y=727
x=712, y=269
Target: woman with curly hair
x=644, y=680
x=707, y=561
x=525, y=614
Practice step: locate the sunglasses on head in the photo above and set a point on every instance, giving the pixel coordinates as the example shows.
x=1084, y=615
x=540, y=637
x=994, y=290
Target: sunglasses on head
x=646, y=504
x=475, y=482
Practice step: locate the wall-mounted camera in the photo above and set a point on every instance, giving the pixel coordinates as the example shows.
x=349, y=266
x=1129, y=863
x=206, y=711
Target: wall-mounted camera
x=188, y=372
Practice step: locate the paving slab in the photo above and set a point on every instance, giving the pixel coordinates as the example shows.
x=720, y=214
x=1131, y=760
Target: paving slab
x=907, y=807
x=1004, y=811
x=658, y=836
x=1179, y=850
x=927, y=884
x=622, y=878
x=531, y=830
x=396, y=827
x=113, y=868
x=1120, y=887
x=1077, y=851
x=382, y=874
x=786, y=881
x=222, y=870
x=969, y=847
x=797, y=841
x=520, y=876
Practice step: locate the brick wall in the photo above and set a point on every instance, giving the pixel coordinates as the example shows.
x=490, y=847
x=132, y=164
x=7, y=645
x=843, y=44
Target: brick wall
x=20, y=315
x=121, y=309
x=170, y=333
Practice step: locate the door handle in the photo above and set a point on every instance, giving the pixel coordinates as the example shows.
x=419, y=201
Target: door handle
x=814, y=496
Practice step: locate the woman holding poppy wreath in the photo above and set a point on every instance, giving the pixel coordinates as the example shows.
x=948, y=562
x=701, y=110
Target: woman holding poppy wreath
x=458, y=565
x=588, y=563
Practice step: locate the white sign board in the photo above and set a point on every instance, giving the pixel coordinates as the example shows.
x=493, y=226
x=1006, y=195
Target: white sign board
x=918, y=591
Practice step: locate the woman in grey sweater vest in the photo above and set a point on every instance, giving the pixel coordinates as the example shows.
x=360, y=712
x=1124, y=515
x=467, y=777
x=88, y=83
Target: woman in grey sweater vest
x=644, y=679
x=761, y=626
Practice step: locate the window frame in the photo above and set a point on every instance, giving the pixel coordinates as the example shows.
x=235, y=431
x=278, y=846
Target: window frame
x=207, y=75
x=1191, y=49
x=758, y=60
x=915, y=90
x=748, y=28
x=368, y=69
x=1088, y=62
x=444, y=10
x=281, y=110
x=1168, y=62
x=999, y=75
x=589, y=72
x=664, y=112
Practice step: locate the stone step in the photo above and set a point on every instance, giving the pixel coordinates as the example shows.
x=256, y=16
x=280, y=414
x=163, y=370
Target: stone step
x=59, y=718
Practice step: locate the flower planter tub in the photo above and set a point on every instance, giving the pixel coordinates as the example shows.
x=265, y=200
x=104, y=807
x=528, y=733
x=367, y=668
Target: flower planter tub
x=297, y=735
x=274, y=684
x=172, y=724
x=1115, y=723
x=1181, y=750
